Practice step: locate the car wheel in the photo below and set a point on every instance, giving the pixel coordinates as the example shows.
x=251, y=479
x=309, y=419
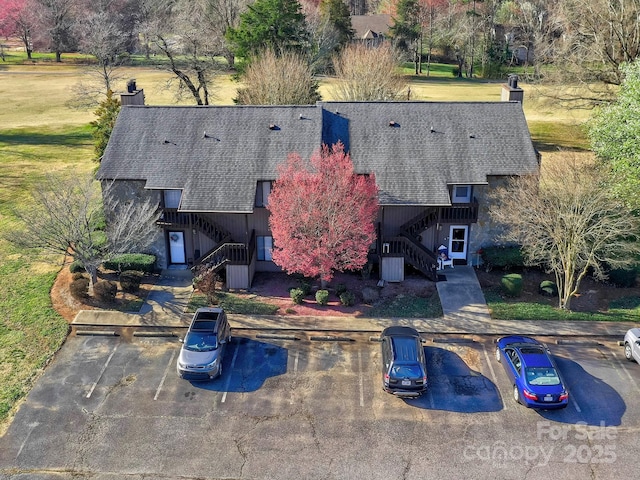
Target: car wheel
x=516, y=394
x=628, y=354
x=498, y=358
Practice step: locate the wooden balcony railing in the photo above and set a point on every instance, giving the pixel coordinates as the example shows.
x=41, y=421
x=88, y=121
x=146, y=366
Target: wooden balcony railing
x=460, y=212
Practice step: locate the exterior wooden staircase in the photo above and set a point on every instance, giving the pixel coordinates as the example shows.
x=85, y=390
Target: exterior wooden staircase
x=193, y=220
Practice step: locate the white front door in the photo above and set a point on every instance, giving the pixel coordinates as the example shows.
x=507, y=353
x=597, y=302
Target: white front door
x=177, y=253
x=458, y=241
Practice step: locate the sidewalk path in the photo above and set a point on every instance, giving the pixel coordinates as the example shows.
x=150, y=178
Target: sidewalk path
x=463, y=304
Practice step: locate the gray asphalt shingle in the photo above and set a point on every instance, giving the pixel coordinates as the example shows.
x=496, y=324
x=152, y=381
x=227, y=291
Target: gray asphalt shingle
x=216, y=154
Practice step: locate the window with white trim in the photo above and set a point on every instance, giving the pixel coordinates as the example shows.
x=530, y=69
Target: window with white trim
x=264, y=245
x=461, y=194
x=172, y=198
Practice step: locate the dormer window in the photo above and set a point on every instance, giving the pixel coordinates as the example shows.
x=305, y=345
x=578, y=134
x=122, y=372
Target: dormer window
x=262, y=193
x=171, y=198
x=461, y=194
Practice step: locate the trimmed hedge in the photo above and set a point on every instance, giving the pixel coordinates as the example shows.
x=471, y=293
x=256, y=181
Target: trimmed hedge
x=623, y=278
x=322, y=297
x=504, y=257
x=548, y=288
x=79, y=288
x=305, y=286
x=512, y=284
x=347, y=299
x=130, y=280
x=105, y=290
x=131, y=261
x=340, y=289
x=297, y=295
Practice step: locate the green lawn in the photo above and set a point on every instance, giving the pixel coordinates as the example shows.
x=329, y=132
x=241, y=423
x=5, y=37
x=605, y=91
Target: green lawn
x=622, y=310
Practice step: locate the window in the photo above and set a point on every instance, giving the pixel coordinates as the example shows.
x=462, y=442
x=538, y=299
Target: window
x=265, y=245
x=461, y=194
x=262, y=194
x=172, y=198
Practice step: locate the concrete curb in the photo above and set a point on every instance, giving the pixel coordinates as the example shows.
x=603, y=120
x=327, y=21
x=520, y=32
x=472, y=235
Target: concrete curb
x=103, y=333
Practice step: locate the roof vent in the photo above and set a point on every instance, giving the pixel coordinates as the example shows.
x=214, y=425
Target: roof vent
x=432, y=130
x=393, y=124
x=273, y=126
x=471, y=135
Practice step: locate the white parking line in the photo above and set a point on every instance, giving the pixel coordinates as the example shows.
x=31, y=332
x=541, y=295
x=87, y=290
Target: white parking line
x=233, y=364
x=295, y=371
x=624, y=369
x=166, y=371
x=32, y=427
x=493, y=375
x=575, y=404
x=102, y=371
x=360, y=379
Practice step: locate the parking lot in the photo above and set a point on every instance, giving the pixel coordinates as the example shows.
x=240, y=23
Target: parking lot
x=305, y=406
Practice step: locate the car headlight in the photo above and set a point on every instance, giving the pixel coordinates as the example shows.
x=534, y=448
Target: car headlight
x=212, y=364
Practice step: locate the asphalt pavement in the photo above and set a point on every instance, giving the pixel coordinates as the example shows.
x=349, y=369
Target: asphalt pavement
x=463, y=304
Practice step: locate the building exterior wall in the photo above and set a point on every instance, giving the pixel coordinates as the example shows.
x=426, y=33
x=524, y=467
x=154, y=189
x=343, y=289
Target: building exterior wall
x=485, y=232
x=393, y=217
x=134, y=191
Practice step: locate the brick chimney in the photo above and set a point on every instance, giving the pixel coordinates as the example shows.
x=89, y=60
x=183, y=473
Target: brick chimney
x=133, y=96
x=510, y=91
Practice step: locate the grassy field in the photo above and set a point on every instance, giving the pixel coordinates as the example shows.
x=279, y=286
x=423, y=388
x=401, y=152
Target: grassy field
x=40, y=132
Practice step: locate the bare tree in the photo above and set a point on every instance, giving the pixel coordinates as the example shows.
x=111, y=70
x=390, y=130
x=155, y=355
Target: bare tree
x=325, y=38
x=191, y=44
x=66, y=218
x=568, y=222
x=585, y=42
x=223, y=15
x=102, y=38
x=57, y=20
x=368, y=74
x=284, y=79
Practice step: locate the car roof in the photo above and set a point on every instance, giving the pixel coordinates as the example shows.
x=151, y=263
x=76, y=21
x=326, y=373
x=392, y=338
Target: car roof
x=533, y=355
x=404, y=349
x=205, y=319
x=400, y=331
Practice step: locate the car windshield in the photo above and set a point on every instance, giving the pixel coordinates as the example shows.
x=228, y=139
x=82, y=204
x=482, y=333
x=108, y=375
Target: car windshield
x=200, y=341
x=542, y=376
x=406, y=370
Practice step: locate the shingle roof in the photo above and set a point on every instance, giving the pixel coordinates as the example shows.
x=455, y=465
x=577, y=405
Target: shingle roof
x=167, y=147
x=415, y=165
x=378, y=24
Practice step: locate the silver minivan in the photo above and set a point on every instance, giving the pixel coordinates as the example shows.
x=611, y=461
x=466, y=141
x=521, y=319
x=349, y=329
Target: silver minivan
x=632, y=345
x=204, y=345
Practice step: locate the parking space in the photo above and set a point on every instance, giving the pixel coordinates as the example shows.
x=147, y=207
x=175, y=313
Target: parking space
x=108, y=406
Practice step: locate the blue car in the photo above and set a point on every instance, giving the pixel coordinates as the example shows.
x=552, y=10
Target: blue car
x=536, y=380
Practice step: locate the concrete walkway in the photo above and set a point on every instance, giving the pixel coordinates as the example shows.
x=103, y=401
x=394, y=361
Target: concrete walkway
x=463, y=304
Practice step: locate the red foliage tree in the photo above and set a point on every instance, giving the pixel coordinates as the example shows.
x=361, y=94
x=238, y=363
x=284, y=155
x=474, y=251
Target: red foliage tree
x=322, y=214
